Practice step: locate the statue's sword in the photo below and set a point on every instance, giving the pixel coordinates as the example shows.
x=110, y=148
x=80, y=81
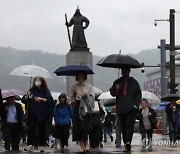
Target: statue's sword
x=68, y=31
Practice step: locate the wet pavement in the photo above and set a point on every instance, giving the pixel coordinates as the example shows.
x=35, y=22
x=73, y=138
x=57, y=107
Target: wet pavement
x=160, y=146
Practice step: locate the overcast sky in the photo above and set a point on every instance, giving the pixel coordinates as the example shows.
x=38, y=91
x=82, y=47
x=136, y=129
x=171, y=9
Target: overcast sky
x=126, y=25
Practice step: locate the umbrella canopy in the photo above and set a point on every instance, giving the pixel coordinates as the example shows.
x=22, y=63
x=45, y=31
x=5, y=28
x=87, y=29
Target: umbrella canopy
x=161, y=106
x=97, y=90
x=170, y=97
x=31, y=71
x=108, y=102
x=9, y=93
x=178, y=101
x=55, y=95
x=150, y=97
x=119, y=61
x=105, y=95
x=1, y=99
x=72, y=70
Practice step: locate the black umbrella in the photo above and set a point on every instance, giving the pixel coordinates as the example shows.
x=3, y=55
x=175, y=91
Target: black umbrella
x=72, y=70
x=170, y=97
x=119, y=61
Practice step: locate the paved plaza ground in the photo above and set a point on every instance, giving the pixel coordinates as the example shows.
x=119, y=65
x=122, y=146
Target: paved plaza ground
x=159, y=147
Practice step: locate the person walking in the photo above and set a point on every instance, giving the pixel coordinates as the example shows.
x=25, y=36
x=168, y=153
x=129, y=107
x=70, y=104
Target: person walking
x=81, y=119
x=172, y=110
x=12, y=115
x=38, y=102
x=96, y=132
x=128, y=97
x=63, y=113
x=107, y=127
x=117, y=126
x=147, y=123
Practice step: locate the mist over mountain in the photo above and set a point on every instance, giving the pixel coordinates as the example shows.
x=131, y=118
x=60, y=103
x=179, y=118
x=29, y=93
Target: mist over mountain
x=11, y=58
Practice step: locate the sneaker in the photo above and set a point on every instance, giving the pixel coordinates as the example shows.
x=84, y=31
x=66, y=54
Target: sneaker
x=62, y=147
x=42, y=149
x=150, y=148
x=125, y=150
x=29, y=148
x=150, y=144
x=111, y=138
x=61, y=150
x=128, y=147
x=143, y=148
x=101, y=145
x=36, y=149
x=53, y=143
x=47, y=143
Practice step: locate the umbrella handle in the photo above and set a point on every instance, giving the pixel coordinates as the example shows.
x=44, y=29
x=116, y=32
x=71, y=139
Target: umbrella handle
x=118, y=73
x=30, y=81
x=119, y=69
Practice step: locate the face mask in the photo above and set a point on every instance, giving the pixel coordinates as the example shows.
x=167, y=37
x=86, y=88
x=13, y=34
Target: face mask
x=38, y=83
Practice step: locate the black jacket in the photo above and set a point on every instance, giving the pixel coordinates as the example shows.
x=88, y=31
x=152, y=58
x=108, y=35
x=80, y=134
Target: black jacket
x=169, y=112
x=152, y=119
x=126, y=103
x=41, y=110
x=19, y=112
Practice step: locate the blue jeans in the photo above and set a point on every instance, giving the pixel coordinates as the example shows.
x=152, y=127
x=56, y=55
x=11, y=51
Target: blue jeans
x=107, y=131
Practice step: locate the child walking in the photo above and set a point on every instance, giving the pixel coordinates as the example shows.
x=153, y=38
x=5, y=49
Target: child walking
x=147, y=123
x=62, y=116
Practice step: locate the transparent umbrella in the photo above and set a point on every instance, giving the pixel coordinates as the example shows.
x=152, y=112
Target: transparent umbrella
x=105, y=95
x=31, y=71
x=150, y=97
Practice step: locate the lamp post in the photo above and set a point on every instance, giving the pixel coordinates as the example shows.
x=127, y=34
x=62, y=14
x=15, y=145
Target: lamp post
x=172, y=49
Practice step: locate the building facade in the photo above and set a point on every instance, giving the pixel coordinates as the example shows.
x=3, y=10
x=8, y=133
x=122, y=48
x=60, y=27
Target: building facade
x=153, y=80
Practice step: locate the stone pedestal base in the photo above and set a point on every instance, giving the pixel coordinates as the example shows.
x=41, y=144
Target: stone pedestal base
x=78, y=58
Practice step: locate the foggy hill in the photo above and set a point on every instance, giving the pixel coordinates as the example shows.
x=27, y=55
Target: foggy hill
x=11, y=58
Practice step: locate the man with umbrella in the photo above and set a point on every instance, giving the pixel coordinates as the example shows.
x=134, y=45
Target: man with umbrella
x=128, y=96
x=11, y=115
x=127, y=92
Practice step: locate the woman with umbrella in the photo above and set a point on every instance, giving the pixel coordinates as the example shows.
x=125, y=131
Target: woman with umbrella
x=82, y=94
x=81, y=124
x=38, y=102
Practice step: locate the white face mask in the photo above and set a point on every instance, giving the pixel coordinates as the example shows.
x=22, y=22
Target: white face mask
x=38, y=83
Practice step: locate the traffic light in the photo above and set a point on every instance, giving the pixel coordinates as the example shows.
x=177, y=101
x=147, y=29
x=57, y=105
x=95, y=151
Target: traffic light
x=176, y=88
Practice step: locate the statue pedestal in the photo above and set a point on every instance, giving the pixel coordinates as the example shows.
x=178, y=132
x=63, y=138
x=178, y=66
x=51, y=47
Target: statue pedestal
x=78, y=58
